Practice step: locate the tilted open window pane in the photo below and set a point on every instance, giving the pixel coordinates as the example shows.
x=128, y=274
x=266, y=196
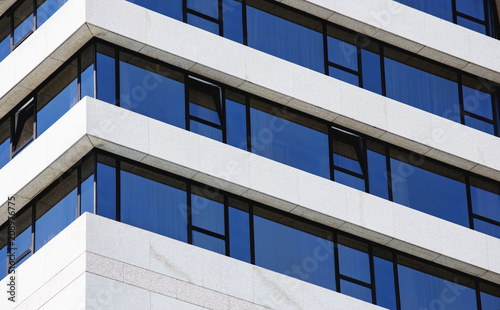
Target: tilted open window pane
x=205, y=101
x=347, y=151
x=23, y=126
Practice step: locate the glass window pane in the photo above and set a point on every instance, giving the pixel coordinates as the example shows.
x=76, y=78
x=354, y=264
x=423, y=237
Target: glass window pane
x=354, y=261
x=422, y=85
x=205, y=101
x=469, y=24
x=202, y=23
x=106, y=187
x=372, y=76
x=490, y=297
x=87, y=186
x=485, y=198
x=152, y=90
x=356, y=291
x=344, y=76
x=487, y=228
x=47, y=8
x=429, y=187
x=236, y=122
x=233, y=24
x=57, y=97
x=24, y=125
x=3, y=262
x=171, y=8
x=384, y=279
x=289, y=139
x=4, y=38
x=206, y=130
x=421, y=290
x=23, y=20
x=474, y=8
x=153, y=202
x=279, y=36
x=239, y=231
x=208, y=211
x=23, y=231
x=342, y=53
x=105, y=62
x=347, y=151
x=87, y=72
x=439, y=8
x=208, y=242
x=293, y=252
x=479, y=125
x=477, y=101
x=4, y=142
x=377, y=170
x=207, y=7
x=56, y=210
x=349, y=180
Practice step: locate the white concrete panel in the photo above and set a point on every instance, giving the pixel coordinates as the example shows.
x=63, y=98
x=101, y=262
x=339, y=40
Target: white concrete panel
x=72, y=296
x=104, y=293
x=183, y=264
x=161, y=302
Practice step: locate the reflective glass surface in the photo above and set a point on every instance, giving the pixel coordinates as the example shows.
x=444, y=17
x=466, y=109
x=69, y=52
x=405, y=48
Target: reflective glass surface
x=287, y=141
x=152, y=90
x=57, y=97
x=356, y=290
x=4, y=142
x=293, y=252
x=239, y=233
x=105, y=62
x=207, y=213
x=384, y=280
x=209, y=242
x=46, y=8
x=236, y=122
x=4, y=37
x=439, y=8
x=153, y=202
x=207, y=7
x=106, y=188
x=23, y=20
x=285, y=39
x=56, y=210
x=429, y=188
x=203, y=23
x=171, y=8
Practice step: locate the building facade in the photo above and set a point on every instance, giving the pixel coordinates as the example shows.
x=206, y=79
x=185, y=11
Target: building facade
x=249, y=154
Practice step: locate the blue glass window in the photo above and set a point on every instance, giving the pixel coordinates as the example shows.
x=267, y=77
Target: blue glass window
x=56, y=210
x=342, y=53
x=57, y=97
x=236, y=122
x=47, y=8
x=207, y=7
x=434, y=90
x=434, y=289
x=372, y=76
x=440, y=8
x=152, y=90
x=4, y=37
x=209, y=242
x=490, y=297
x=487, y=228
x=205, y=108
x=377, y=169
x=356, y=290
x=472, y=25
x=105, y=65
x=171, y=8
x=485, y=198
x=4, y=142
x=106, y=187
x=87, y=73
x=474, y=8
x=3, y=255
x=354, y=261
x=87, y=187
x=477, y=101
x=23, y=20
x=279, y=36
x=428, y=187
x=23, y=235
x=207, y=213
x=286, y=137
x=153, y=202
x=479, y=124
x=203, y=23
x=294, y=252
x=239, y=230
x=233, y=20
x=384, y=279
x=344, y=76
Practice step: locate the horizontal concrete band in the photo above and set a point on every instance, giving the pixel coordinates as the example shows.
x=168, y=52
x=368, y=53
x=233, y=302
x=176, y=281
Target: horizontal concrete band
x=96, y=263
x=5, y=5
x=97, y=124
x=412, y=30
x=245, y=68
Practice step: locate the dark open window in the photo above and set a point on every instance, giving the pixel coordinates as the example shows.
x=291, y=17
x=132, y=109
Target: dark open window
x=348, y=160
x=24, y=126
x=205, y=108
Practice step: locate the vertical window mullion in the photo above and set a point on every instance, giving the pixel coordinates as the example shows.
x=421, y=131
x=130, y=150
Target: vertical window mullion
x=226, y=225
x=221, y=19
x=184, y=10
x=454, y=9
x=382, y=70
x=478, y=295
x=79, y=191
x=252, y=235
x=79, y=76
x=337, y=262
x=118, y=190
x=189, y=215
x=469, y=201
x=389, y=172
x=33, y=227
x=95, y=182
x=34, y=15
x=325, y=49
x=330, y=155
x=117, y=77
x=360, y=67
x=244, y=19
x=372, y=273
x=461, y=98
x=396, y=279
x=249, y=126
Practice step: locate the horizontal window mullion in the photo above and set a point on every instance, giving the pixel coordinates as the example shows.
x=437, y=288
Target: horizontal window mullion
x=474, y=19
x=485, y=219
x=479, y=117
x=343, y=68
x=208, y=123
x=208, y=232
x=355, y=281
x=209, y=18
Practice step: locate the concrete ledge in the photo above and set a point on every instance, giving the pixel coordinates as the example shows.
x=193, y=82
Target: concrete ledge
x=5, y=5
x=94, y=273
x=195, y=157
x=412, y=30
x=247, y=69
